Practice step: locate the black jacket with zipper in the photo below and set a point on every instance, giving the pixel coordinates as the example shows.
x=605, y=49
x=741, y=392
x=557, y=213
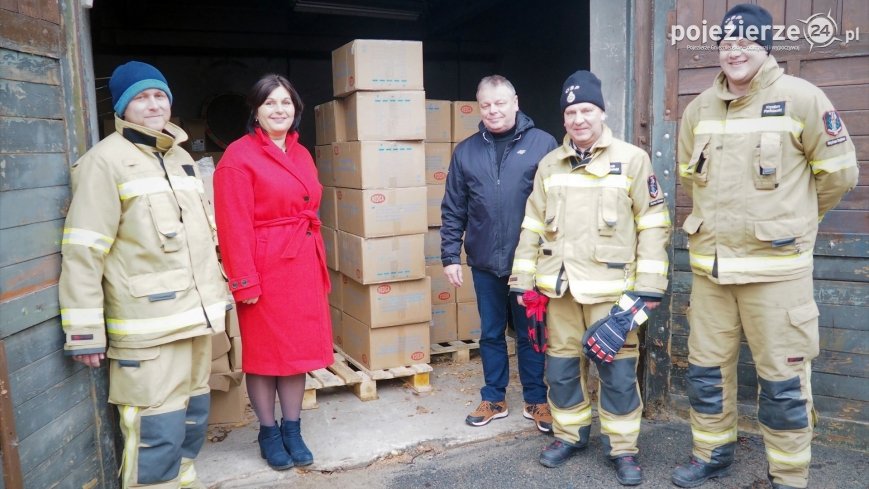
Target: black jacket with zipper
x=485, y=198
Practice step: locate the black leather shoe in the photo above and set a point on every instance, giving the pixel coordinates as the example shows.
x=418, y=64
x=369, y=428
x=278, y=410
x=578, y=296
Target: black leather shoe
x=696, y=472
x=558, y=452
x=628, y=471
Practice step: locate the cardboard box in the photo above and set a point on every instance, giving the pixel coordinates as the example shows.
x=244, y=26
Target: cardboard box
x=388, y=304
x=378, y=164
x=323, y=161
x=232, y=328
x=329, y=208
x=228, y=398
x=437, y=162
x=438, y=121
x=432, y=246
x=337, y=332
x=375, y=213
x=443, y=323
x=337, y=281
x=466, y=292
x=330, y=242
x=442, y=291
x=468, y=321
x=434, y=197
x=386, y=116
x=383, y=348
x=235, y=354
x=220, y=345
x=330, y=123
x=465, y=119
x=196, y=138
x=378, y=260
x=220, y=365
x=368, y=64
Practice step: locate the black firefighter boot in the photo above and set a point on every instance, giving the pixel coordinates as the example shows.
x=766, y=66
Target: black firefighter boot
x=291, y=432
x=696, y=472
x=272, y=449
x=559, y=451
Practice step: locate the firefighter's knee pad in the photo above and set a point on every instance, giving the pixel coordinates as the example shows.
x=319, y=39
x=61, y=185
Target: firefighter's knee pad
x=618, y=386
x=705, y=391
x=781, y=406
x=563, y=378
x=197, y=425
x=160, y=449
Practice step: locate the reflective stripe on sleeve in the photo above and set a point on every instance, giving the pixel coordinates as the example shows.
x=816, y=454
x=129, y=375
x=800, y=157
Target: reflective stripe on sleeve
x=701, y=262
x=521, y=265
x=577, y=180
x=685, y=169
x=656, y=220
x=765, y=263
x=142, y=186
x=620, y=427
x=714, y=438
x=746, y=126
x=86, y=237
x=532, y=225
x=834, y=164
x=81, y=317
x=801, y=458
x=653, y=266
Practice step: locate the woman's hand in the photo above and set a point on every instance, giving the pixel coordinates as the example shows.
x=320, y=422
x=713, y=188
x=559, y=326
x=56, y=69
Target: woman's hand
x=251, y=301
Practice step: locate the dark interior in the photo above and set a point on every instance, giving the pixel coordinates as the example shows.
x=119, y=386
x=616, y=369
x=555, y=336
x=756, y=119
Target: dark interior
x=211, y=51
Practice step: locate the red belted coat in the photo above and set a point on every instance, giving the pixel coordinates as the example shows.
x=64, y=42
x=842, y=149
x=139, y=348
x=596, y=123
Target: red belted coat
x=266, y=204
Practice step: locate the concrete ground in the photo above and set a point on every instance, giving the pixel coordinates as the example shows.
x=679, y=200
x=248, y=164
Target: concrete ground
x=405, y=439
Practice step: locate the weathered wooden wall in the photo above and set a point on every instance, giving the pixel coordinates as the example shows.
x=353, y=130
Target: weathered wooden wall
x=61, y=416
x=840, y=373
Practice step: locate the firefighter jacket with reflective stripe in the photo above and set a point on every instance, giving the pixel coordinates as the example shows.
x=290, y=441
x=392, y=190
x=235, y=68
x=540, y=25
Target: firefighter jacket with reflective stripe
x=763, y=169
x=139, y=256
x=598, y=228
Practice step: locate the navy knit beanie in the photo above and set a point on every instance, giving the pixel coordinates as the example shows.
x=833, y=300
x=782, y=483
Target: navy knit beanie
x=579, y=87
x=748, y=21
x=130, y=79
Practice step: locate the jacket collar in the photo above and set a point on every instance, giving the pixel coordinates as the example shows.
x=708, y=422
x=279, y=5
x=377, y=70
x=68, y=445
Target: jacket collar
x=598, y=166
x=283, y=159
x=141, y=135
x=768, y=73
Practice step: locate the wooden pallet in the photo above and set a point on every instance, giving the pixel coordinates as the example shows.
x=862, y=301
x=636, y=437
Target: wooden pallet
x=460, y=350
x=347, y=371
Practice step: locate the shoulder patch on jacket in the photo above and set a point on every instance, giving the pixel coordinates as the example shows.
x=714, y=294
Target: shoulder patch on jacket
x=833, y=142
x=832, y=123
x=615, y=168
x=773, y=109
x=653, y=186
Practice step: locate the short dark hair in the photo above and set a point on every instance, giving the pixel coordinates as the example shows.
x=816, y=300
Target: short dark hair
x=260, y=92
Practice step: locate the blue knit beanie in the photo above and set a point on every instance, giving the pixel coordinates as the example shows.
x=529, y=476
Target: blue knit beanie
x=582, y=86
x=750, y=21
x=130, y=79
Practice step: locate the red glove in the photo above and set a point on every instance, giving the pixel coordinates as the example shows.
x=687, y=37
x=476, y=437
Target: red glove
x=535, y=310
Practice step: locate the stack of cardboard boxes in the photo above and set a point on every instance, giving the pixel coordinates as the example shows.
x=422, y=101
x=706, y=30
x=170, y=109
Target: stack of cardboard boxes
x=371, y=161
x=228, y=397
x=454, y=311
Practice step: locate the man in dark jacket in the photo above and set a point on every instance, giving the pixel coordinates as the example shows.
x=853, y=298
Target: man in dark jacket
x=490, y=177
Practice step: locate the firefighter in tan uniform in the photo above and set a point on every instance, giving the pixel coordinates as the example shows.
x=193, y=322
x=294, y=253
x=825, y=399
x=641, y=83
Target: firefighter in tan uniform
x=595, y=225
x=765, y=155
x=140, y=282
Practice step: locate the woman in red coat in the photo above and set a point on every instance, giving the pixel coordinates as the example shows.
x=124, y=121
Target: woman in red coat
x=266, y=200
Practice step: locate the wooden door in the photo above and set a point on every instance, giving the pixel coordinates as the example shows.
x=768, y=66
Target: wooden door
x=57, y=428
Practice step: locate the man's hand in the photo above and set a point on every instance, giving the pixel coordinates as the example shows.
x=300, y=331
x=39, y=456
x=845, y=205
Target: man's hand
x=454, y=274
x=91, y=359
x=520, y=300
x=651, y=305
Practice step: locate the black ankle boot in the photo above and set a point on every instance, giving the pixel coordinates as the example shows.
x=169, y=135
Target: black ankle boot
x=628, y=471
x=291, y=432
x=272, y=449
x=696, y=472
